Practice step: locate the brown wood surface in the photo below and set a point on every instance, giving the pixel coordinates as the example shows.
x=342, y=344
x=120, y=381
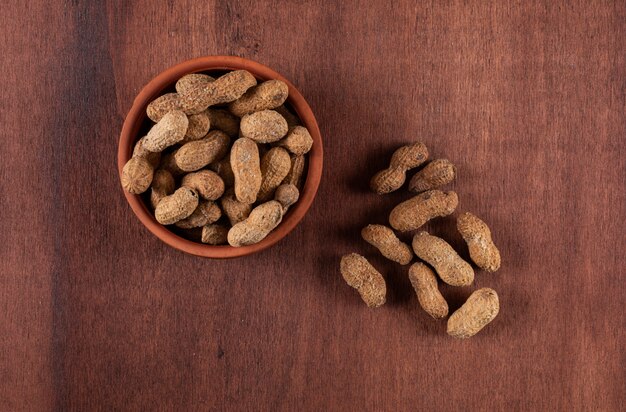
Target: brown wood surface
x=527, y=98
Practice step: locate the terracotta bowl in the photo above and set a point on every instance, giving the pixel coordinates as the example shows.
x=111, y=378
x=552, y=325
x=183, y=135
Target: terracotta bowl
x=136, y=123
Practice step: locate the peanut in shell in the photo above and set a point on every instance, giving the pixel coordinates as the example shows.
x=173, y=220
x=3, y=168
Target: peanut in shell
x=424, y=283
x=362, y=276
x=450, y=267
x=403, y=159
x=415, y=212
x=177, y=206
x=137, y=175
x=214, y=234
x=207, y=212
x=477, y=235
x=477, y=312
x=267, y=95
x=246, y=165
x=206, y=182
x=266, y=126
x=275, y=166
x=435, y=174
x=261, y=221
x=195, y=155
x=383, y=238
x=168, y=131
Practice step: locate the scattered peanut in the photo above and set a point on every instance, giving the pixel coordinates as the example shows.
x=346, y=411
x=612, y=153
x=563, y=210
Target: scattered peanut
x=215, y=234
x=137, y=175
x=195, y=155
x=478, y=237
x=435, y=174
x=168, y=131
x=244, y=160
x=206, y=182
x=413, y=213
x=207, y=212
x=177, y=206
x=361, y=275
x=450, y=267
x=383, y=238
x=267, y=95
x=275, y=165
x=262, y=220
x=403, y=159
x=266, y=126
x=424, y=282
x=477, y=312
x=163, y=184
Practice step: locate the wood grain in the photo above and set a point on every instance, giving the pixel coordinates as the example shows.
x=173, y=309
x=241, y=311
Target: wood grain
x=527, y=98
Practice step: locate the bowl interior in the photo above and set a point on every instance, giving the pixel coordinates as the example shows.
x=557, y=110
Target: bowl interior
x=137, y=124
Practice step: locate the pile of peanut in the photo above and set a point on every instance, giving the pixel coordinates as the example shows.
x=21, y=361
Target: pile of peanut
x=224, y=160
x=437, y=256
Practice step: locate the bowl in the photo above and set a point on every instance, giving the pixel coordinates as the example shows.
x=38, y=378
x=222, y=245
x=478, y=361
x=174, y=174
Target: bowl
x=136, y=121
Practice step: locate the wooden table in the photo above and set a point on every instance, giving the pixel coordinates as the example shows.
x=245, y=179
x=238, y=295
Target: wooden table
x=528, y=99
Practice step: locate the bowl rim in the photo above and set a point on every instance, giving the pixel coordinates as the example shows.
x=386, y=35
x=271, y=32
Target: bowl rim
x=137, y=115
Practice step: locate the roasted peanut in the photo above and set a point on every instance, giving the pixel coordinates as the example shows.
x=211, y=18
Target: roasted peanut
x=163, y=184
x=265, y=96
x=189, y=81
x=225, y=121
x=298, y=141
x=266, y=126
x=195, y=155
x=176, y=206
x=424, y=282
x=168, y=131
x=199, y=125
x=286, y=195
x=361, y=275
x=235, y=210
x=403, y=159
x=207, y=212
x=224, y=89
x=413, y=213
x=223, y=169
x=437, y=173
x=383, y=238
x=162, y=105
x=292, y=119
x=450, y=267
x=262, y=220
x=478, y=237
x=294, y=177
x=153, y=157
x=137, y=175
x=206, y=182
x=275, y=165
x=168, y=162
x=479, y=310
x=244, y=160
x=214, y=234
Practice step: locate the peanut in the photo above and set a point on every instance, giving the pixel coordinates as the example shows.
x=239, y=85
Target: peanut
x=298, y=141
x=137, y=175
x=437, y=173
x=262, y=220
x=199, y=125
x=225, y=121
x=223, y=169
x=215, y=234
x=383, y=238
x=162, y=105
x=479, y=310
x=177, y=206
x=294, y=177
x=403, y=159
x=168, y=131
x=244, y=160
x=361, y=275
x=163, y=184
x=267, y=95
x=286, y=195
x=413, y=213
x=477, y=235
x=424, y=282
x=206, y=182
x=154, y=158
x=275, y=165
x=266, y=126
x=207, y=212
x=292, y=119
x=235, y=210
x=224, y=89
x=168, y=162
x=197, y=154
x=189, y=81
x=450, y=267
